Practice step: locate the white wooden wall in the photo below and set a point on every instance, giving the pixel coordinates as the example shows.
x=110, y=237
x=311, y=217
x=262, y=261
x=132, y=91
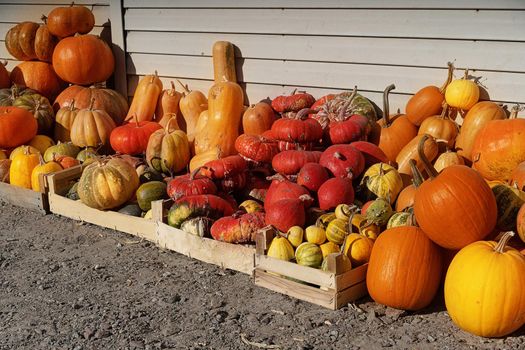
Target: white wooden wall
x=325, y=46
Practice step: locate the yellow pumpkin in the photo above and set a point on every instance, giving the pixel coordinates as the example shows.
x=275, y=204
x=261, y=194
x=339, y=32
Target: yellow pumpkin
x=383, y=180
x=281, y=249
x=295, y=235
x=91, y=127
x=22, y=150
x=485, y=288
x=41, y=143
x=168, y=151
x=358, y=248
x=21, y=168
x=329, y=248
x=315, y=234
x=145, y=99
x=447, y=159
x=462, y=93
x=43, y=168
x=64, y=121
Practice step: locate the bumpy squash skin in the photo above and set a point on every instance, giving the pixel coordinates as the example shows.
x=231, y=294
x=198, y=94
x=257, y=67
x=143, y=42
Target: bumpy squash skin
x=241, y=229
x=211, y=206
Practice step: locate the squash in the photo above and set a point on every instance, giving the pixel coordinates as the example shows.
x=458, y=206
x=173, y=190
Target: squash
x=462, y=93
x=329, y=248
x=41, y=109
x=39, y=76
x=223, y=54
x=337, y=230
x=87, y=155
x=295, y=235
x=238, y=228
x=509, y=201
x=335, y=191
x=107, y=184
x=379, y=212
x=290, y=162
x=199, y=160
x=343, y=161
x=132, y=138
x=41, y=143
x=383, y=181
x=455, y=207
x=309, y=254
x=22, y=150
x=199, y=226
x=440, y=127
x=520, y=221
x=168, y=106
x=42, y=168
x=149, y=192
x=17, y=126
x=91, y=128
x=21, y=169
x=5, y=81
x=280, y=248
x=61, y=149
x=192, y=104
x=30, y=41
x=404, y=271
x=67, y=21
x=410, y=151
x=285, y=213
x=404, y=218
x=358, y=248
x=66, y=161
x=312, y=176
x=485, y=289
x=145, y=98
x=447, y=159
x=294, y=102
x=315, y=234
x=168, y=151
x=63, y=122
x=225, y=108
x=207, y=205
x=256, y=148
x=258, y=118
x=406, y=197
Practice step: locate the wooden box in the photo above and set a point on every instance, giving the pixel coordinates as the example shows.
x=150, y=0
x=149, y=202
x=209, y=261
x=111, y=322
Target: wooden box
x=226, y=255
x=59, y=183
x=332, y=289
x=22, y=197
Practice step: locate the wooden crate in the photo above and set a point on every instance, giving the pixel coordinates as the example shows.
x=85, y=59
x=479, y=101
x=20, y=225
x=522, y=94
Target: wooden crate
x=59, y=183
x=226, y=255
x=331, y=289
x=25, y=198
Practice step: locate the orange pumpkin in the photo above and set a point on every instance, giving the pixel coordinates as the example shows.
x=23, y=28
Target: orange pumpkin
x=167, y=106
x=440, y=127
x=83, y=60
x=145, y=99
x=5, y=81
x=517, y=178
x=30, y=41
x=38, y=76
x=258, y=118
x=455, y=207
x=17, y=126
x=499, y=147
x=406, y=197
x=404, y=271
x=63, y=122
x=410, y=151
x=67, y=21
x=91, y=128
x=396, y=131
x=447, y=159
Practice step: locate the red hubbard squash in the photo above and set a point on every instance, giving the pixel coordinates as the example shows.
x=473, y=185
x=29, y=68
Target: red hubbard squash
x=223, y=167
x=404, y=271
x=107, y=100
x=190, y=184
x=258, y=118
x=30, y=41
x=285, y=213
x=455, y=207
x=256, y=148
x=290, y=162
x=312, y=176
x=427, y=101
x=372, y=153
x=499, y=147
x=83, y=60
x=38, y=76
x=5, y=81
x=292, y=103
x=17, y=127
x=282, y=188
x=343, y=161
x=396, y=131
x=238, y=228
x=67, y=21
x=335, y=191
x=132, y=138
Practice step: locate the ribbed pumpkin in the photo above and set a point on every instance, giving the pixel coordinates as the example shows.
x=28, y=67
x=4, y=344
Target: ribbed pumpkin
x=21, y=169
x=67, y=21
x=40, y=108
x=499, y=147
x=383, y=181
x=309, y=254
x=509, y=201
x=404, y=270
x=168, y=151
x=479, y=115
x=30, y=41
x=17, y=126
x=61, y=149
x=462, y=93
x=63, y=122
x=192, y=104
x=91, y=128
x=406, y=197
x=42, y=168
x=447, y=159
x=107, y=184
x=440, y=127
x=396, y=131
x=455, y=207
x=410, y=151
x=39, y=76
x=145, y=98
x=485, y=288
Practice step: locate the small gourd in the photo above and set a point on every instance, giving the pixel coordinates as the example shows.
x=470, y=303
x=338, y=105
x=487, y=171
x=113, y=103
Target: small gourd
x=404, y=218
x=379, y=212
x=280, y=248
x=337, y=230
x=462, y=93
x=295, y=235
x=358, y=248
x=309, y=254
x=383, y=180
x=329, y=248
x=315, y=234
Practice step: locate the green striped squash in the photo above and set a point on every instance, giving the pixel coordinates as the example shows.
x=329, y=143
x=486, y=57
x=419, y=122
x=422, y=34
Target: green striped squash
x=337, y=230
x=509, y=201
x=401, y=219
x=309, y=254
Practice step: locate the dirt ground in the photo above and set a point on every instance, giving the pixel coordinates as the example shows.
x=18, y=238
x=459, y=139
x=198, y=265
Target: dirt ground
x=67, y=285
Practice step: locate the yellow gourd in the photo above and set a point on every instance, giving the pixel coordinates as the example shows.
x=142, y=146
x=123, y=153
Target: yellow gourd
x=145, y=98
x=223, y=54
x=41, y=143
x=337, y=230
x=295, y=235
x=323, y=220
x=168, y=151
x=383, y=180
x=21, y=168
x=329, y=248
x=462, y=93
x=21, y=150
x=358, y=248
x=315, y=234
x=42, y=168
x=281, y=249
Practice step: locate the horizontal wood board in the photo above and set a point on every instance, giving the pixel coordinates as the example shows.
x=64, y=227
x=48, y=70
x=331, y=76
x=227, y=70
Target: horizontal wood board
x=22, y=197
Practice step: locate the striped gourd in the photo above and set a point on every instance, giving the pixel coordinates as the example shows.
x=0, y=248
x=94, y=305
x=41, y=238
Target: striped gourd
x=337, y=230
x=509, y=201
x=309, y=254
x=324, y=220
x=401, y=219
x=383, y=180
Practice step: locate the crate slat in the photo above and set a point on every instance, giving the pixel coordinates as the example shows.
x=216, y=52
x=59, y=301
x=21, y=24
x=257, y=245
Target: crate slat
x=22, y=197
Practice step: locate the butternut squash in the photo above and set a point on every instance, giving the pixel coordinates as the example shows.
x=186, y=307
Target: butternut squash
x=224, y=62
x=168, y=105
x=200, y=159
x=145, y=99
x=192, y=104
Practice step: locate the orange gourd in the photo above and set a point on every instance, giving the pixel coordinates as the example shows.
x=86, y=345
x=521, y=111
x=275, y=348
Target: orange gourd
x=455, y=207
x=406, y=197
x=427, y=101
x=192, y=104
x=395, y=133
x=168, y=106
x=258, y=118
x=440, y=127
x=410, y=151
x=223, y=54
x=145, y=99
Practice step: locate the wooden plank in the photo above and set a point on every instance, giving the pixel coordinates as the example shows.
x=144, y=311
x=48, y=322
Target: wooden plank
x=4, y=27
x=348, y=295
x=24, y=198
x=502, y=86
x=350, y=277
x=11, y=13
x=450, y=24
x=483, y=55
x=405, y=4
x=118, y=46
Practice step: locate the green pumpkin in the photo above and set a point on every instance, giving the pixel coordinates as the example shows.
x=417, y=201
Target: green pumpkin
x=509, y=201
x=309, y=254
x=87, y=153
x=40, y=107
x=149, y=192
x=337, y=230
x=8, y=96
x=131, y=209
x=379, y=212
x=61, y=149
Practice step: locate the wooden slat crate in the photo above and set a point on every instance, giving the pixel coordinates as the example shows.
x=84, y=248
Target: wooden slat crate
x=226, y=255
x=25, y=198
x=59, y=183
x=331, y=289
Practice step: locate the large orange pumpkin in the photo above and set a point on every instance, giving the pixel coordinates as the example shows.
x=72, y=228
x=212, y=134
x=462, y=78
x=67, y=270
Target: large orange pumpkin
x=455, y=207
x=67, y=21
x=83, y=60
x=30, y=41
x=38, y=76
x=499, y=147
x=404, y=271
x=17, y=126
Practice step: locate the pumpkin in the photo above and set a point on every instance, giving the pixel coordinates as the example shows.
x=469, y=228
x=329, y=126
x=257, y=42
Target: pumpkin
x=8, y=96
x=132, y=138
x=285, y=213
x=335, y=191
x=499, y=147
x=293, y=102
x=190, y=184
x=5, y=165
x=297, y=128
x=61, y=149
x=107, y=184
x=22, y=150
x=343, y=161
x=520, y=223
x=107, y=100
x=462, y=93
x=404, y=270
x=63, y=122
x=91, y=127
x=358, y=248
x=517, y=178
x=440, y=127
x=224, y=167
x=67, y=21
x=372, y=153
x=145, y=98
x=315, y=234
x=290, y=162
x=309, y=254
x=455, y=207
x=207, y=205
x=427, y=101
x=258, y=118
x=66, y=161
x=223, y=55
x=42, y=168
x=192, y=104
x=342, y=129
x=256, y=148
x=41, y=109
x=97, y=63
x=325, y=219
x=30, y=41
x=447, y=159
x=406, y=197
x=396, y=131
x=17, y=126
x=5, y=81
x=21, y=169
x=329, y=248
x=282, y=188
x=280, y=248
x=312, y=176
x=410, y=151
x=378, y=212
x=41, y=143
x=485, y=290
x=39, y=76
x=168, y=106
x=168, y=151
x=225, y=108
x=149, y=192
x=383, y=181
x=88, y=154
x=509, y=200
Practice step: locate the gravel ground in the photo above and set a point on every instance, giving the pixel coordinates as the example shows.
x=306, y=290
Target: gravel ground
x=68, y=285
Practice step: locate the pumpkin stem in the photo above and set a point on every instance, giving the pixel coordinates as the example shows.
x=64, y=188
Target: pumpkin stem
x=72, y=105
x=72, y=4
x=514, y=111
x=449, y=76
x=173, y=86
x=500, y=247
x=293, y=92
x=386, y=107
x=184, y=87
x=432, y=172
x=466, y=74
x=381, y=170
x=44, y=19
x=444, y=111
x=91, y=104
x=342, y=111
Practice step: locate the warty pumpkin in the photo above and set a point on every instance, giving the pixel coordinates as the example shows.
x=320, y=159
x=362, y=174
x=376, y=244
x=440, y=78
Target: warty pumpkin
x=39, y=76
x=168, y=151
x=455, y=207
x=404, y=270
x=485, y=289
x=91, y=128
x=30, y=41
x=21, y=169
x=17, y=126
x=462, y=93
x=67, y=21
